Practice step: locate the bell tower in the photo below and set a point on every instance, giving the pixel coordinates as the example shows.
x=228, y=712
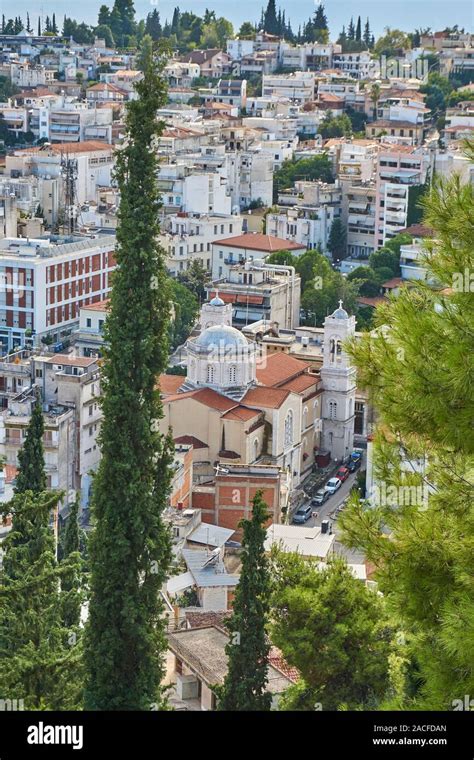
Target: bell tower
x=339, y=385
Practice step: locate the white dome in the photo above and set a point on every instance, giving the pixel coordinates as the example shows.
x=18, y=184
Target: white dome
x=216, y=301
x=340, y=313
x=222, y=336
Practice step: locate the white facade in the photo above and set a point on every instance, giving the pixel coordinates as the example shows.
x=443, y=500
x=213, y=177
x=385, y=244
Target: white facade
x=188, y=238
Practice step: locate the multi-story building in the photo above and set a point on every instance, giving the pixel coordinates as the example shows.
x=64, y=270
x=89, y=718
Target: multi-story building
x=313, y=206
x=249, y=247
x=45, y=281
x=88, y=339
x=297, y=86
x=76, y=122
x=188, y=237
x=185, y=187
x=399, y=168
x=69, y=389
x=358, y=204
x=356, y=65
x=259, y=291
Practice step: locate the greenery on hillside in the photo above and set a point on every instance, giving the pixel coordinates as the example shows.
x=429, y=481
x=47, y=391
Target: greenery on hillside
x=419, y=373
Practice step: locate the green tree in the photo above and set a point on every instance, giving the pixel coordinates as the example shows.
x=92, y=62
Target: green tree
x=39, y=661
x=244, y=686
x=104, y=16
x=418, y=372
x=186, y=309
x=195, y=278
x=145, y=52
x=334, y=630
x=392, y=43
x=317, y=167
x=31, y=475
x=247, y=31
x=129, y=551
x=104, y=32
x=337, y=240
x=323, y=292
x=153, y=25
x=270, y=23
x=335, y=126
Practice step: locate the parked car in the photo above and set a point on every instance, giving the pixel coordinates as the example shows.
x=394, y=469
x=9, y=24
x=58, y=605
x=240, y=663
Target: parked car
x=343, y=473
x=333, y=484
x=353, y=465
x=302, y=515
x=320, y=497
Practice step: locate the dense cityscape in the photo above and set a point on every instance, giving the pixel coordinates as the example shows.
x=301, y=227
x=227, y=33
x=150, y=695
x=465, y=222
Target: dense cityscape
x=236, y=364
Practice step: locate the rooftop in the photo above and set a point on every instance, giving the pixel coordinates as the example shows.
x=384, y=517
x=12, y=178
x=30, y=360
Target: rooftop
x=257, y=241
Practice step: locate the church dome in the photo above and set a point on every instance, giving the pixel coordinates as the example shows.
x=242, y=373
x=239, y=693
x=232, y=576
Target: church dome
x=340, y=313
x=221, y=335
x=216, y=301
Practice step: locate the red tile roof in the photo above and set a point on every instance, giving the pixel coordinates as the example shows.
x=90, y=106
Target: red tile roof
x=257, y=241
x=279, y=368
x=169, y=384
x=98, y=305
x=268, y=398
x=240, y=413
x=192, y=440
x=301, y=384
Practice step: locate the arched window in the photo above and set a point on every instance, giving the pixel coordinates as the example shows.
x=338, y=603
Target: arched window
x=232, y=373
x=210, y=373
x=288, y=439
x=305, y=418
x=332, y=406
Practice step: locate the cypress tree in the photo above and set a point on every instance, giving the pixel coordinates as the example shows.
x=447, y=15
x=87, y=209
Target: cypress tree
x=244, y=686
x=130, y=549
x=270, y=24
x=367, y=34
x=39, y=662
x=39, y=26
x=351, y=30
x=358, y=31
x=31, y=476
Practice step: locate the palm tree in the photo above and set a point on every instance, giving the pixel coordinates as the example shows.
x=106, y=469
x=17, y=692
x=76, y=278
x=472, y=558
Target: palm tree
x=374, y=96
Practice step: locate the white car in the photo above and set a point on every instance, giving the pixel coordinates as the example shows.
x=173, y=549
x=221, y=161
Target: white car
x=333, y=484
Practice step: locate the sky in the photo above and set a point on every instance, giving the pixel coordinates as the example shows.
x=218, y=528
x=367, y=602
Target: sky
x=405, y=14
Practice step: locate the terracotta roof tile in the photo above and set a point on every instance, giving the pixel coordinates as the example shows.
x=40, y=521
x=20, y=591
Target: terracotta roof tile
x=269, y=398
x=191, y=439
x=279, y=369
x=257, y=241
x=169, y=384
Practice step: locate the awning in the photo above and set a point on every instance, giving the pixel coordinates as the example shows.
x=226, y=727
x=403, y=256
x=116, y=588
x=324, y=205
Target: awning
x=178, y=583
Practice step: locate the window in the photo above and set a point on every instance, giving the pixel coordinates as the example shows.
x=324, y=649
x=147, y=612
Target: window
x=232, y=373
x=288, y=437
x=210, y=374
x=359, y=418
x=332, y=410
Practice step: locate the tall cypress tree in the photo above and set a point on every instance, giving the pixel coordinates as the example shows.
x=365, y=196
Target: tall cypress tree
x=31, y=476
x=358, y=31
x=130, y=547
x=351, y=30
x=244, y=687
x=367, y=34
x=270, y=23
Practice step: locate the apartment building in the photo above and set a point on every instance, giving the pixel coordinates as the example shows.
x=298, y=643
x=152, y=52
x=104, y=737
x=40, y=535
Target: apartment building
x=312, y=56
x=306, y=214
x=359, y=216
x=68, y=388
x=75, y=122
x=399, y=168
x=188, y=237
x=45, y=281
x=88, y=338
x=249, y=247
x=94, y=164
x=297, y=86
x=185, y=187
x=355, y=65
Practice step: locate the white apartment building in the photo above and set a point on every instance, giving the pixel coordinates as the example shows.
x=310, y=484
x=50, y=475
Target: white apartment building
x=238, y=48
x=27, y=75
x=249, y=247
x=94, y=166
x=297, y=86
x=185, y=187
x=89, y=337
x=8, y=214
x=311, y=55
x=399, y=167
x=313, y=206
x=32, y=191
x=45, y=281
x=74, y=122
x=355, y=65
x=188, y=237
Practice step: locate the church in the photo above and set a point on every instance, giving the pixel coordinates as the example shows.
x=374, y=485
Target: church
x=239, y=405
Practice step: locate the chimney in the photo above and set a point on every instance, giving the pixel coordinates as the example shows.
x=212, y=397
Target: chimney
x=179, y=505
